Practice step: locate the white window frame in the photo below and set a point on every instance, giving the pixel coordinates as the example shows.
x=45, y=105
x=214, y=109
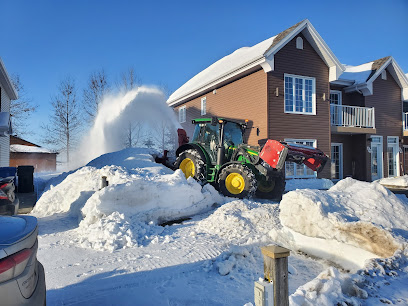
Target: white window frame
x=203, y=106
x=339, y=93
x=292, y=140
x=340, y=145
x=299, y=43
x=182, y=114
x=380, y=168
x=293, y=76
x=395, y=146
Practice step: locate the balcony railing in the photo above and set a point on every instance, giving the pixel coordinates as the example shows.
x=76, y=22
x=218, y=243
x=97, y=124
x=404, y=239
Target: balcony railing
x=352, y=116
x=405, y=123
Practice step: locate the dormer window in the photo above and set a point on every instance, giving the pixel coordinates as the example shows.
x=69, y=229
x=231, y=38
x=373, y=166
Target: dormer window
x=299, y=43
x=384, y=75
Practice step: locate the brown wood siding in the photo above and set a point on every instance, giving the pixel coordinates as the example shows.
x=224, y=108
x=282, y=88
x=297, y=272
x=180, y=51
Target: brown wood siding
x=386, y=99
x=304, y=62
x=353, y=98
x=354, y=156
x=19, y=141
x=40, y=161
x=245, y=98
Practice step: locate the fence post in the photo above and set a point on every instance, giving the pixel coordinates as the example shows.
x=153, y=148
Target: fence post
x=276, y=270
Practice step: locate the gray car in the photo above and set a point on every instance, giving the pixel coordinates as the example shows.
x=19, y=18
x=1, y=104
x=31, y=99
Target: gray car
x=22, y=278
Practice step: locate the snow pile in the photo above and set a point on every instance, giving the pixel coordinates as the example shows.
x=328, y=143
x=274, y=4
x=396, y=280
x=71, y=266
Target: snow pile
x=125, y=213
x=28, y=149
x=375, y=284
x=398, y=181
x=312, y=183
x=351, y=222
x=241, y=221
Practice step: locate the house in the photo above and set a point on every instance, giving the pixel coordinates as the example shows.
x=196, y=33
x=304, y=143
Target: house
x=287, y=87
x=7, y=93
x=23, y=153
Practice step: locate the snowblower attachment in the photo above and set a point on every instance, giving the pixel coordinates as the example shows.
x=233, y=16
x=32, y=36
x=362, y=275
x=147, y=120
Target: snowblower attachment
x=276, y=153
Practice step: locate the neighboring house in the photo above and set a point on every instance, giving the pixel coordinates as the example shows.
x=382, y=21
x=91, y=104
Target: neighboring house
x=285, y=86
x=7, y=93
x=25, y=153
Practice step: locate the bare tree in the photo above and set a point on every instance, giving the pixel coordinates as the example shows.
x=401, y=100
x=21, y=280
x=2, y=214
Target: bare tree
x=20, y=109
x=96, y=88
x=164, y=136
x=65, y=123
x=128, y=80
x=133, y=134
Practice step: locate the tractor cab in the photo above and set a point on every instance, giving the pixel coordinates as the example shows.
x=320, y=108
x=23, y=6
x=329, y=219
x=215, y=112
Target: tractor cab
x=218, y=133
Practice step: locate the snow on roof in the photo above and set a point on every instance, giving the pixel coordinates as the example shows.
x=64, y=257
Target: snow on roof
x=359, y=73
x=16, y=148
x=222, y=67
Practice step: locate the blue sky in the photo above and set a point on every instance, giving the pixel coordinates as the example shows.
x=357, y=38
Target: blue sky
x=168, y=42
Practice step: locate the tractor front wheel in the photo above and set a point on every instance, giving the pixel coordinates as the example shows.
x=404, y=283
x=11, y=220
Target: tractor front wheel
x=191, y=163
x=273, y=188
x=238, y=181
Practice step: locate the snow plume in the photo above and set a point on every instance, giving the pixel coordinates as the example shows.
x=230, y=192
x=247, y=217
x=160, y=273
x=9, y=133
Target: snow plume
x=144, y=105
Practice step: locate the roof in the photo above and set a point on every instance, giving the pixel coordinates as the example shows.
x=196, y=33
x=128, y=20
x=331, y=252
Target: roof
x=16, y=148
x=6, y=83
x=361, y=77
x=248, y=59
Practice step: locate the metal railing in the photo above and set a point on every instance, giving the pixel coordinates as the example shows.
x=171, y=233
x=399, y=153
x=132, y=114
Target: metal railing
x=352, y=116
x=405, y=121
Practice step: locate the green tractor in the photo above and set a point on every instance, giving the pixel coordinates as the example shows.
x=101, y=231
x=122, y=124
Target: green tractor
x=218, y=155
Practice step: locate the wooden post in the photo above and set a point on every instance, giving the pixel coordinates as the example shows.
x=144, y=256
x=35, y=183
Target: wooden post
x=276, y=270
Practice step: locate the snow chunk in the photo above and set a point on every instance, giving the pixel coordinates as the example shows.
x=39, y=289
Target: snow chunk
x=398, y=181
x=315, y=183
x=352, y=212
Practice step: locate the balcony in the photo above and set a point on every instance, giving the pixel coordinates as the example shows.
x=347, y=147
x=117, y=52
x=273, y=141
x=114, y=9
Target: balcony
x=405, y=124
x=347, y=119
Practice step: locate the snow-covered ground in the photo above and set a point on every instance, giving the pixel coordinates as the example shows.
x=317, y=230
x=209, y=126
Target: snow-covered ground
x=106, y=246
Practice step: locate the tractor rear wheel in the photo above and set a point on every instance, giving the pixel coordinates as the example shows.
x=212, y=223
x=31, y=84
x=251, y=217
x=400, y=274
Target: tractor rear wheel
x=273, y=188
x=238, y=181
x=191, y=163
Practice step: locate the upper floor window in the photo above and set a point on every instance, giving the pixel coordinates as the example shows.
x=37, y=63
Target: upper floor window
x=182, y=114
x=299, y=43
x=335, y=97
x=203, y=106
x=300, y=94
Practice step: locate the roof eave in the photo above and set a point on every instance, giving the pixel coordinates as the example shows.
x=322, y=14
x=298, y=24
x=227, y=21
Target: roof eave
x=215, y=83
x=9, y=88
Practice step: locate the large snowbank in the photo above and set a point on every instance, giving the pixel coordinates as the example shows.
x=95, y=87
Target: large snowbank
x=351, y=218
x=126, y=212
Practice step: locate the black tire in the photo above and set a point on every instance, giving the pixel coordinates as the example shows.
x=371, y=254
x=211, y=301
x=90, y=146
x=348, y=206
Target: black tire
x=245, y=177
x=273, y=188
x=199, y=165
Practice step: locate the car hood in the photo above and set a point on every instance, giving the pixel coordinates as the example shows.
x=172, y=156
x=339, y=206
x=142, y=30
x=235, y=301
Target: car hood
x=16, y=228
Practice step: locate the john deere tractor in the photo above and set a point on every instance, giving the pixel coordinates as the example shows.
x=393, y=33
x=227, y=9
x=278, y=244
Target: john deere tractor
x=218, y=155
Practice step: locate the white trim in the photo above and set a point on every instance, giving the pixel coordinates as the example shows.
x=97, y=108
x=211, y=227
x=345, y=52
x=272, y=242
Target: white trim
x=293, y=76
x=384, y=74
x=339, y=92
x=182, y=114
x=340, y=145
x=294, y=140
x=203, y=106
x=5, y=80
x=394, y=145
x=380, y=158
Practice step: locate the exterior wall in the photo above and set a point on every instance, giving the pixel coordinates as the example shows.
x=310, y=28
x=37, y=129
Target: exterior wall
x=40, y=161
x=281, y=125
x=245, y=98
x=4, y=141
x=387, y=101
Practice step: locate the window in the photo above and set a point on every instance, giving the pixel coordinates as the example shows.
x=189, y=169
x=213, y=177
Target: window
x=393, y=155
x=203, y=106
x=336, y=161
x=384, y=75
x=300, y=97
x=300, y=171
x=299, y=43
x=182, y=114
x=335, y=107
